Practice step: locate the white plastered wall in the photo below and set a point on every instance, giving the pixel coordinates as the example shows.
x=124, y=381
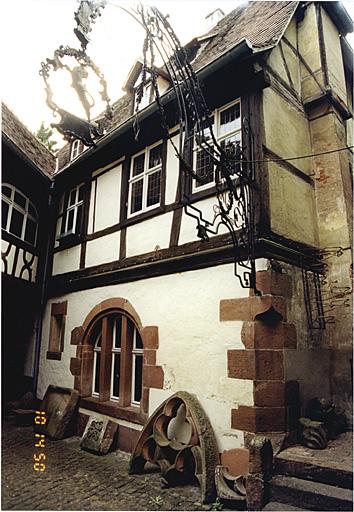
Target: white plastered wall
x=105, y=200
x=103, y=249
x=189, y=224
x=193, y=343
x=152, y=234
x=67, y=260
x=172, y=171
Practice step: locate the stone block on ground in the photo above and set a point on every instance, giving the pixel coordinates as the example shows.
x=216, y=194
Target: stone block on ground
x=98, y=435
x=59, y=406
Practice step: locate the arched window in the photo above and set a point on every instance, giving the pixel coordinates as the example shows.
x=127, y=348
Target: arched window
x=19, y=216
x=117, y=368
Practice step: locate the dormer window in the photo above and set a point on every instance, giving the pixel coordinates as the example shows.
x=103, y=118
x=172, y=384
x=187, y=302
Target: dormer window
x=75, y=149
x=146, y=97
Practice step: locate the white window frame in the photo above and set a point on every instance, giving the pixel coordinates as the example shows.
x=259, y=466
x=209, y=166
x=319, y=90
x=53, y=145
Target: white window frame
x=136, y=352
x=145, y=177
x=23, y=210
x=75, y=149
x=146, y=98
x=220, y=138
x=74, y=207
x=95, y=351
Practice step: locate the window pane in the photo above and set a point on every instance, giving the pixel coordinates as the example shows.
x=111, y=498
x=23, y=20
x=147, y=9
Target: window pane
x=117, y=329
x=81, y=193
x=138, y=164
x=20, y=200
x=138, y=377
x=78, y=219
x=30, y=233
x=70, y=223
x=138, y=342
x=116, y=376
x=137, y=196
x=4, y=213
x=230, y=119
x=16, y=222
x=204, y=168
x=6, y=191
x=154, y=185
x=72, y=197
x=229, y=144
x=155, y=157
x=96, y=386
x=32, y=211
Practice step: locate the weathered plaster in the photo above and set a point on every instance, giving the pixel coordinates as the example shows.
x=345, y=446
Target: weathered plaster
x=150, y=235
x=187, y=348
x=66, y=260
x=103, y=249
x=107, y=199
x=334, y=56
x=286, y=129
x=292, y=207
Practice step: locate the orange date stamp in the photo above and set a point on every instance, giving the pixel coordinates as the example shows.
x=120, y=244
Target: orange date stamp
x=39, y=458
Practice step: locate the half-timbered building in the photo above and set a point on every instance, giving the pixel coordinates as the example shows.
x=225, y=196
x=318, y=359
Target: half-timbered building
x=137, y=305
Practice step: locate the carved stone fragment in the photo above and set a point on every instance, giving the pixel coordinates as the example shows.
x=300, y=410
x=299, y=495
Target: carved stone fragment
x=60, y=405
x=229, y=487
x=312, y=434
x=98, y=435
x=333, y=418
x=180, y=440
x=261, y=462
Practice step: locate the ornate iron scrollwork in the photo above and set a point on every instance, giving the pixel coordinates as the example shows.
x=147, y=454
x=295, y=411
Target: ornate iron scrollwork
x=71, y=126
x=321, y=296
x=234, y=172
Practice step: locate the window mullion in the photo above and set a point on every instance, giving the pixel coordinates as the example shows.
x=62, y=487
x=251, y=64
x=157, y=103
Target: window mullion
x=145, y=180
x=126, y=362
x=105, y=370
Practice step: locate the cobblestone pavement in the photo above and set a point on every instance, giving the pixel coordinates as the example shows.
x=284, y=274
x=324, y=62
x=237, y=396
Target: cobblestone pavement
x=77, y=480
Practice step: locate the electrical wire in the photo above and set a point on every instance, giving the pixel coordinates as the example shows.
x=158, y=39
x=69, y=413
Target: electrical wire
x=295, y=157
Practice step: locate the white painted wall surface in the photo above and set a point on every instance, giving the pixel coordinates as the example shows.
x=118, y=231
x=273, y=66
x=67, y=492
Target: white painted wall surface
x=189, y=225
x=147, y=235
x=107, y=196
x=172, y=171
x=193, y=343
x=103, y=249
x=66, y=260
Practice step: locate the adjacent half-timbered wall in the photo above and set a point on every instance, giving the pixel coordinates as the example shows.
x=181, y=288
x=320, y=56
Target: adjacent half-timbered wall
x=286, y=134
x=18, y=262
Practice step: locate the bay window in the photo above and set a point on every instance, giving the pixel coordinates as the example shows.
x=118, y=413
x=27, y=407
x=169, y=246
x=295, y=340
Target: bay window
x=226, y=124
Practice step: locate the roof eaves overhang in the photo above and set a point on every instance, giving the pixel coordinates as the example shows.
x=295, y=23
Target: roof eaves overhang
x=242, y=50
x=19, y=152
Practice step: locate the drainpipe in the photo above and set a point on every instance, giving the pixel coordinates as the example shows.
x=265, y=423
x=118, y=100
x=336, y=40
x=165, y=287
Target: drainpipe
x=43, y=301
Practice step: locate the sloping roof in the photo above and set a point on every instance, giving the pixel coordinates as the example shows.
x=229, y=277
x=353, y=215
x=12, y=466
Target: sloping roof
x=261, y=23
x=26, y=142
